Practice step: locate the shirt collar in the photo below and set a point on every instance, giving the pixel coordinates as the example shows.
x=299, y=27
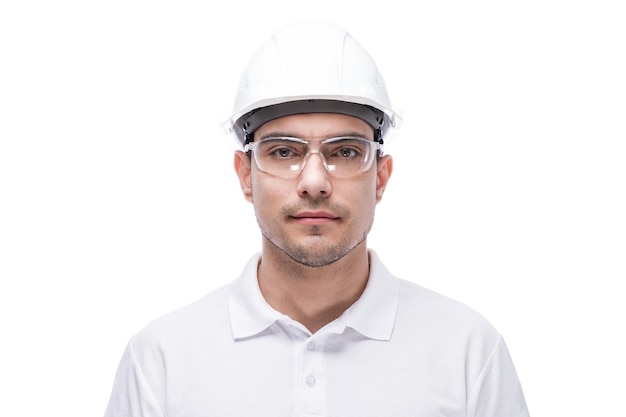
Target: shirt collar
x=373, y=314
x=249, y=312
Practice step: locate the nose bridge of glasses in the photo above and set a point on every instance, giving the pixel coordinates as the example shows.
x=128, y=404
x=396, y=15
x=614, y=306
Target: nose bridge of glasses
x=314, y=151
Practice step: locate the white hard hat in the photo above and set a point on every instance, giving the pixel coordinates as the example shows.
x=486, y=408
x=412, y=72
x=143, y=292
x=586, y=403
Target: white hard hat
x=310, y=67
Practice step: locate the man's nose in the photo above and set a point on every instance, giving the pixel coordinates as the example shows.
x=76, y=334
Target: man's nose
x=314, y=180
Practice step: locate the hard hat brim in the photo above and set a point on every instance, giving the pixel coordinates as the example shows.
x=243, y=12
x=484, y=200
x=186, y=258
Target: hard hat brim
x=249, y=121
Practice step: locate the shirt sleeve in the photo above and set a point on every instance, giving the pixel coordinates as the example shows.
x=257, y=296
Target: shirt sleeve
x=497, y=391
x=132, y=395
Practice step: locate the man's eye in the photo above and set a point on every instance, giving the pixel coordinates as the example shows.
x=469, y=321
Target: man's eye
x=348, y=153
x=282, y=152
x=345, y=153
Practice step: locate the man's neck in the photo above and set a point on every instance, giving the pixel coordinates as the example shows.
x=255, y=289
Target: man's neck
x=313, y=296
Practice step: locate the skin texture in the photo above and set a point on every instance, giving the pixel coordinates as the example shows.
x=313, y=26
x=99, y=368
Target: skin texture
x=314, y=261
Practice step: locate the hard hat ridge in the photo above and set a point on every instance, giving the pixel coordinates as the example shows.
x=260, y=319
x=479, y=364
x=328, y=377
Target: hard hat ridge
x=309, y=67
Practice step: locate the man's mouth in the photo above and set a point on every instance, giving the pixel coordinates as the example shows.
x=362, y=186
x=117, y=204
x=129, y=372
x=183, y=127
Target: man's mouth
x=314, y=217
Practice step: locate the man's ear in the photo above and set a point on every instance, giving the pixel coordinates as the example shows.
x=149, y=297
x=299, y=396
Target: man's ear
x=243, y=170
x=384, y=169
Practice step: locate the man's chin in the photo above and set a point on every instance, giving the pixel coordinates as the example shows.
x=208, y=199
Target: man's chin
x=317, y=254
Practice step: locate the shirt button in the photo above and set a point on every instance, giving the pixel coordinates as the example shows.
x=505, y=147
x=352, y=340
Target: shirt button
x=310, y=381
x=311, y=345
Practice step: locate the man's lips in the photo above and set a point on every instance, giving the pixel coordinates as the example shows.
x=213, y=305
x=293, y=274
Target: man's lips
x=314, y=217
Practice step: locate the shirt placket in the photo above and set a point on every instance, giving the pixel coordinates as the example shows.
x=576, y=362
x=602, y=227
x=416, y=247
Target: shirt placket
x=311, y=379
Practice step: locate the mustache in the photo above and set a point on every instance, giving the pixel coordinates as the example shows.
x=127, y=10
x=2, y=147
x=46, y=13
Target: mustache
x=310, y=205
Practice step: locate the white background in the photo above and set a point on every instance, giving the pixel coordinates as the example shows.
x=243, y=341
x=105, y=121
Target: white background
x=119, y=203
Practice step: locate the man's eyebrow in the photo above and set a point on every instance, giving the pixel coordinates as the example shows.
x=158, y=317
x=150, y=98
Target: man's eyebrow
x=276, y=134
x=351, y=133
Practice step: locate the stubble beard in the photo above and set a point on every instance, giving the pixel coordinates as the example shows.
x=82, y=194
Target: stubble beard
x=315, y=251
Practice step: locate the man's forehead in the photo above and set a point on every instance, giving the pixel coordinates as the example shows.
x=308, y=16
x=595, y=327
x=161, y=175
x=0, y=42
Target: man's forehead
x=315, y=125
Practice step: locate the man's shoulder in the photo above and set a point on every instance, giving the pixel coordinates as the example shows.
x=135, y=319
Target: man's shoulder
x=428, y=298
x=437, y=311
x=208, y=314
x=424, y=312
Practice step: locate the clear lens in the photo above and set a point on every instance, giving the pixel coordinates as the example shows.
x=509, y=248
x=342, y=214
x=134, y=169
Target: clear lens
x=287, y=157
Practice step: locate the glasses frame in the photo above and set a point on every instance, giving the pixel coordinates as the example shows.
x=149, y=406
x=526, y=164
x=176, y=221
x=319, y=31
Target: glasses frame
x=375, y=151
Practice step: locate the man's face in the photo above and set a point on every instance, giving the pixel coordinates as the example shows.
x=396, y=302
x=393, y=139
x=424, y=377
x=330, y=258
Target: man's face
x=314, y=218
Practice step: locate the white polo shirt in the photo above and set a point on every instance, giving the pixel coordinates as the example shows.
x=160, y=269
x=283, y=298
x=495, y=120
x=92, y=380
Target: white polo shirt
x=400, y=350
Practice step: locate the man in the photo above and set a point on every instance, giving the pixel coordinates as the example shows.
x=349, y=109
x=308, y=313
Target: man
x=315, y=325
